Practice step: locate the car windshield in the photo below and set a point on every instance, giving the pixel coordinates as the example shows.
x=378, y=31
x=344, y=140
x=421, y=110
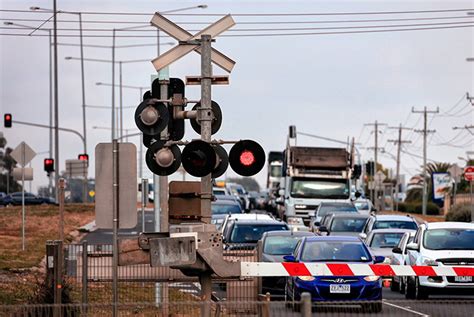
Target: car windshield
x=395, y=224
x=320, y=188
x=449, y=239
x=222, y=209
x=251, y=233
x=347, y=224
x=335, y=251
x=218, y=192
x=275, y=171
x=280, y=245
x=386, y=239
x=326, y=209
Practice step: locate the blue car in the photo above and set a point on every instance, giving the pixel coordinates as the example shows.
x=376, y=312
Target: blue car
x=334, y=249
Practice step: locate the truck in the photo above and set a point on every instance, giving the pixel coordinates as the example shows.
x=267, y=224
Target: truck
x=311, y=175
x=275, y=164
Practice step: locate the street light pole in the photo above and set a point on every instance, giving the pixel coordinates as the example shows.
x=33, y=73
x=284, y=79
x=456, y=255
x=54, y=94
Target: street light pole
x=113, y=84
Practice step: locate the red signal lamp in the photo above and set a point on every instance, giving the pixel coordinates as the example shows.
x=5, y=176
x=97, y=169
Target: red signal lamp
x=247, y=157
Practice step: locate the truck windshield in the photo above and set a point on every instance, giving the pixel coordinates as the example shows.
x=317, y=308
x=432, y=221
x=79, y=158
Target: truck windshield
x=320, y=188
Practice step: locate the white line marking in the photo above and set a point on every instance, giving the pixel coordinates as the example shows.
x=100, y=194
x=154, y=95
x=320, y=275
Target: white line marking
x=404, y=308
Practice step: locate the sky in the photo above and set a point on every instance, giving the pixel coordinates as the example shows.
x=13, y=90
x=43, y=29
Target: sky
x=329, y=85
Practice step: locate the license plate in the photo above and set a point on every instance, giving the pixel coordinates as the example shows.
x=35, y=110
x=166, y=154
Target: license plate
x=339, y=289
x=464, y=279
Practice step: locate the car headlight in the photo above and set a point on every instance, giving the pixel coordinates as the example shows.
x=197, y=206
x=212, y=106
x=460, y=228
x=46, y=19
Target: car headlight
x=371, y=278
x=293, y=220
x=306, y=278
x=300, y=206
x=428, y=261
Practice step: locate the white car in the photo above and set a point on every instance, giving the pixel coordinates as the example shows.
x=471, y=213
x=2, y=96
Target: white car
x=441, y=244
x=399, y=257
x=382, y=241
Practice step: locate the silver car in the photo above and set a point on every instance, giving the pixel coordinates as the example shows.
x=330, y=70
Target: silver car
x=399, y=257
x=382, y=241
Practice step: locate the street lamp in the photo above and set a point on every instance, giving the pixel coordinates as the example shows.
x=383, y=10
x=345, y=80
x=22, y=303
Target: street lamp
x=50, y=177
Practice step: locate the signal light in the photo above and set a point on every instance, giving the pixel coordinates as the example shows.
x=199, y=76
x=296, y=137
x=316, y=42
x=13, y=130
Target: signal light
x=216, y=120
x=83, y=157
x=7, y=120
x=247, y=157
x=163, y=160
x=198, y=158
x=151, y=117
x=48, y=165
x=222, y=161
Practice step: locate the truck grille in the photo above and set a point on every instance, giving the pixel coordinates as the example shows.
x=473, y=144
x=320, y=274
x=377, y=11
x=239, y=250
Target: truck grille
x=456, y=261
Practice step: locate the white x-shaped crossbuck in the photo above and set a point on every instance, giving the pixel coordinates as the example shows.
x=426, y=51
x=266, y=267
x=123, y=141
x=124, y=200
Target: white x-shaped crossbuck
x=182, y=35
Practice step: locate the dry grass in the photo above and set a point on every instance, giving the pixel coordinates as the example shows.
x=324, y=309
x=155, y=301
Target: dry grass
x=42, y=224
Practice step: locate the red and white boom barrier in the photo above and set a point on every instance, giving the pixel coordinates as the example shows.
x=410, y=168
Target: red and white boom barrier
x=257, y=269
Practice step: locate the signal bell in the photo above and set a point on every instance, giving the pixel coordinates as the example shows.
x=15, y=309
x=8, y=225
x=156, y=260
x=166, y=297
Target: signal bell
x=151, y=117
x=216, y=120
x=247, y=157
x=163, y=160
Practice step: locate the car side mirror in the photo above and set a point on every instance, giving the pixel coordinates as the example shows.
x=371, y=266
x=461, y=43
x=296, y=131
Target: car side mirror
x=281, y=192
x=413, y=246
x=289, y=258
x=379, y=259
x=316, y=223
x=363, y=236
x=323, y=229
x=279, y=201
x=397, y=250
x=357, y=194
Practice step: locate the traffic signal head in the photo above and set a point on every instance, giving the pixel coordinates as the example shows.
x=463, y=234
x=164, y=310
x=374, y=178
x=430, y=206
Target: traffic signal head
x=357, y=171
x=83, y=157
x=48, y=165
x=198, y=158
x=247, y=157
x=151, y=117
x=163, y=160
x=216, y=120
x=7, y=120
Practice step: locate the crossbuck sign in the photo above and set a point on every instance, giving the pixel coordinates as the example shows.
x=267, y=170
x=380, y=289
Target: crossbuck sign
x=186, y=39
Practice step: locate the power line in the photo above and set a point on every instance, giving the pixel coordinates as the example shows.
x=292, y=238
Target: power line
x=251, y=22
x=257, y=14
x=265, y=29
x=257, y=35
x=456, y=104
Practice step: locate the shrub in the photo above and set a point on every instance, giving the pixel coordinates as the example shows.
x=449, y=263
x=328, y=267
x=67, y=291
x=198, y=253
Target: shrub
x=417, y=208
x=460, y=212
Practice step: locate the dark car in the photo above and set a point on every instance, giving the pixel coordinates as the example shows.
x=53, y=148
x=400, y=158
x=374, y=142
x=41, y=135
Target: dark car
x=222, y=207
x=243, y=234
x=344, y=224
x=342, y=250
x=16, y=199
x=2, y=198
x=274, y=245
x=326, y=208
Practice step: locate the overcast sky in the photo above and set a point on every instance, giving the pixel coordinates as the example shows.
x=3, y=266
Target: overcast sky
x=325, y=84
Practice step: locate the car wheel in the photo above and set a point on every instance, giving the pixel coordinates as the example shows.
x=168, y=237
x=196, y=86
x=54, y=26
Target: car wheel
x=421, y=292
x=401, y=287
x=394, y=286
x=410, y=289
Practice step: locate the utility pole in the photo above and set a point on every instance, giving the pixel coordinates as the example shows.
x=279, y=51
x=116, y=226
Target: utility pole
x=376, y=148
x=56, y=102
x=425, y=132
x=399, y=143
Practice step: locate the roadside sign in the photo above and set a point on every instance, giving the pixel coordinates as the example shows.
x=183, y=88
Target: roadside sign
x=76, y=168
x=127, y=185
x=23, y=154
x=469, y=173
x=456, y=172
x=182, y=35
x=17, y=173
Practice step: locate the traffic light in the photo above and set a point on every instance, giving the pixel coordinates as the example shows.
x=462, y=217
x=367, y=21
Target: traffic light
x=163, y=160
x=369, y=168
x=83, y=157
x=247, y=157
x=7, y=120
x=216, y=120
x=357, y=171
x=48, y=165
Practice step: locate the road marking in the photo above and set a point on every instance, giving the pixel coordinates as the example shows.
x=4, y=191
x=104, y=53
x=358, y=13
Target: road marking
x=405, y=308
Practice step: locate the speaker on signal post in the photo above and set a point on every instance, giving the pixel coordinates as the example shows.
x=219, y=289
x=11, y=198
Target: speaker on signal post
x=163, y=160
x=198, y=158
x=216, y=120
x=151, y=117
x=247, y=157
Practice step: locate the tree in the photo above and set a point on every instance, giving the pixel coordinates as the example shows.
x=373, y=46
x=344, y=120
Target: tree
x=249, y=183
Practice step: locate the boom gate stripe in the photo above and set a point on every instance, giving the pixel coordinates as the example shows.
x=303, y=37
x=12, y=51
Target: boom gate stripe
x=256, y=269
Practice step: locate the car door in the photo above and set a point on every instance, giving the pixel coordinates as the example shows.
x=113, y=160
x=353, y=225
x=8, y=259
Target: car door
x=291, y=279
x=412, y=255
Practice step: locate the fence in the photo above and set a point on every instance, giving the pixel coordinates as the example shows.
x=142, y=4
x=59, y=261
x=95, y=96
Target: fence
x=392, y=308
x=88, y=276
